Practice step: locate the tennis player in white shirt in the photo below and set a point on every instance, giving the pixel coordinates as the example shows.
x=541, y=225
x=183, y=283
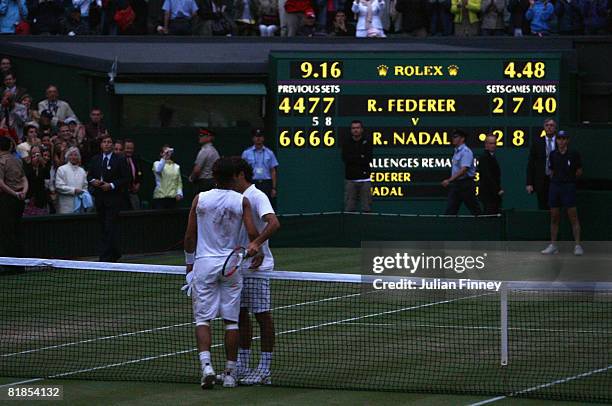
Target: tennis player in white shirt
x=213, y=231
x=255, y=296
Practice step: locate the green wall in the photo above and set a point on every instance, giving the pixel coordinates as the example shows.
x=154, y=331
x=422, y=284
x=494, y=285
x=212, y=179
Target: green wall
x=82, y=90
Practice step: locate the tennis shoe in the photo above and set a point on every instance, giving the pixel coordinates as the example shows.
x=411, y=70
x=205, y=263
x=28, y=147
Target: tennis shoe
x=208, y=377
x=229, y=379
x=242, y=372
x=258, y=377
x=578, y=251
x=550, y=250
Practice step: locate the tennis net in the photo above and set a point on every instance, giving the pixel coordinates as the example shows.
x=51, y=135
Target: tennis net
x=89, y=320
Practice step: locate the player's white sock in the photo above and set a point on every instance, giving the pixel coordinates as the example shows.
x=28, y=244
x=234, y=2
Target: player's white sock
x=244, y=355
x=205, y=358
x=265, y=361
x=230, y=365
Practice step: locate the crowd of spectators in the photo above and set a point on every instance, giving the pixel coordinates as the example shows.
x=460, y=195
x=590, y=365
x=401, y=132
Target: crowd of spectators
x=360, y=18
x=55, y=148
x=57, y=152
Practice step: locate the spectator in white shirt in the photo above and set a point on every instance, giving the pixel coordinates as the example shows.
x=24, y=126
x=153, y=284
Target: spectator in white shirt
x=59, y=109
x=369, y=12
x=70, y=181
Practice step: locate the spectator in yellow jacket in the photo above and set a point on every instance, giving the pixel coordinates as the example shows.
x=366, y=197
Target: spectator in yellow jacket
x=168, y=183
x=466, y=17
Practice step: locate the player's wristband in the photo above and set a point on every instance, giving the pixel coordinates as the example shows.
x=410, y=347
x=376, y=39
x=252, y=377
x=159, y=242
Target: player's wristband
x=189, y=258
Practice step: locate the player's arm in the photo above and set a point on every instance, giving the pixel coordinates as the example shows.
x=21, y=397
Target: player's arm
x=272, y=226
x=191, y=236
x=254, y=237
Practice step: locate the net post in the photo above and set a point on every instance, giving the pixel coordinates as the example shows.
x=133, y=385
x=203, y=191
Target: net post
x=504, y=324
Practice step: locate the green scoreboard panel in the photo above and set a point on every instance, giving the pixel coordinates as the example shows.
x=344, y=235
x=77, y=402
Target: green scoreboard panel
x=409, y=104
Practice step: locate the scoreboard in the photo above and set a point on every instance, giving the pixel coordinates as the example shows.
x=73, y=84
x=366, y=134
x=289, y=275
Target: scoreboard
x=409, y=103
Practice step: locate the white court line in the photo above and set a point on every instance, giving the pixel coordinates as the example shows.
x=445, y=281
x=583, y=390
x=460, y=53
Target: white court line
x=304, y=304
x=488, y=328
x=513, y=328
x=22, y=382
x=52, y=347
x=544, y=385
x=331, y=323
x=487, y=401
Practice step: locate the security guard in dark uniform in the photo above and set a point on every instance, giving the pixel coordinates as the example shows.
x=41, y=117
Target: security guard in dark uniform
x=565, y=166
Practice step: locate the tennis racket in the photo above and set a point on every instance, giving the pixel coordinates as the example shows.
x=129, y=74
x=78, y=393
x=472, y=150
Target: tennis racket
x=234, y=261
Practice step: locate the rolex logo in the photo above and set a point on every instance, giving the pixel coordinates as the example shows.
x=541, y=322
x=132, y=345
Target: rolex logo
x=382, y=70
x=453, y=70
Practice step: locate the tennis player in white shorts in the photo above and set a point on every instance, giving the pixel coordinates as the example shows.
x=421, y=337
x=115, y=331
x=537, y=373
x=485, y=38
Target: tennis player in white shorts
x=213, y=231
x=256, y=291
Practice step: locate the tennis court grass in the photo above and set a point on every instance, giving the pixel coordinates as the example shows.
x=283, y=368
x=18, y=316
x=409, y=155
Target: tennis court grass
x=88, y=393
x=300, y=348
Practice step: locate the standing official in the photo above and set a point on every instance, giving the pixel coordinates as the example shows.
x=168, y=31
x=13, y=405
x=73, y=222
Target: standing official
x=108, y=177
x=357, y=154
x=490, y=192
x=538, y=171
x=565, y=166
x=13, y=190
x=461, y=187
x=202, y=174
x=264, y=164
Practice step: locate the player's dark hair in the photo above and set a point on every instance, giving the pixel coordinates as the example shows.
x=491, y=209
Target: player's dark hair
x=223, y=172
x=5, y=143
x=357, y=122
x=10, y=72
x=129, y=140
x=244, y=167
